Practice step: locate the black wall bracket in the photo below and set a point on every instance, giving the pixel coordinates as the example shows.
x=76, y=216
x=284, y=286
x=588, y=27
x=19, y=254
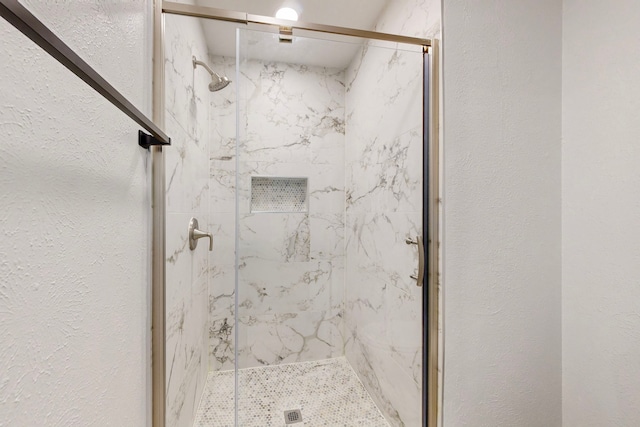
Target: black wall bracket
x=146, y=141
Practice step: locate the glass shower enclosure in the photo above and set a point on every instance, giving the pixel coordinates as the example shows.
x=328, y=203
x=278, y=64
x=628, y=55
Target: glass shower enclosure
x=316, y=168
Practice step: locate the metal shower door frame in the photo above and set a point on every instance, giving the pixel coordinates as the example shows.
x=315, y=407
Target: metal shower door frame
x=431, y=170
x=431, y=233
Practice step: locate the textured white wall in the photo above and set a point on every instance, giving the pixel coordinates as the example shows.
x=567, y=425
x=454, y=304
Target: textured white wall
x=502, y=265
x=601, y=213
x=74, y=229
x=112, y=36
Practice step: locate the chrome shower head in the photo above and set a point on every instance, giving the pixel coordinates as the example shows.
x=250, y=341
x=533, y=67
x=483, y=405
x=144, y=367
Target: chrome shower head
x=217, y=82
x=220, y=84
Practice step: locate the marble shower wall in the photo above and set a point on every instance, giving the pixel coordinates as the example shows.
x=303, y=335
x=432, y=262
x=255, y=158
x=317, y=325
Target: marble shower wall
x=383, y=305
x=418, y=18
x=291, y=274
x=187, y=189
x=222, y=206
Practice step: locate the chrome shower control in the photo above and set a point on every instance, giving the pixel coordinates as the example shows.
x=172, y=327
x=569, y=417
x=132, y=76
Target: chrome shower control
x=195, y=234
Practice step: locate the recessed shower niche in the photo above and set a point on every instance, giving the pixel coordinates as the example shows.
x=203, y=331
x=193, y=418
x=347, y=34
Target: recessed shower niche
x=278, y=194
x=314, y=182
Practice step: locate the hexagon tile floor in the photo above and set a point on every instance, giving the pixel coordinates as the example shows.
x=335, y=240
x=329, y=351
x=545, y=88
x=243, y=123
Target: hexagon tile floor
x=327, y=392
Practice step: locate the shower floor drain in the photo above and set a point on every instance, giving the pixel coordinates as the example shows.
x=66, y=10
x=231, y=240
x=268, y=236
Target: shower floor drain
x=292, y=417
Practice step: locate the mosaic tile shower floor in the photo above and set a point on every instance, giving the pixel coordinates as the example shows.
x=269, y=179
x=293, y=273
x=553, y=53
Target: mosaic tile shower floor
x=328, y=393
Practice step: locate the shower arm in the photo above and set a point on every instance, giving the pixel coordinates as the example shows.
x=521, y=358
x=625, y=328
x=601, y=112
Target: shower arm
x=206, y=67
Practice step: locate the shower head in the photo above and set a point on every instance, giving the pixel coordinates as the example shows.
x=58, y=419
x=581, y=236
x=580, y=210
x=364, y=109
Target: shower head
x=220, y=84
x=217, y=82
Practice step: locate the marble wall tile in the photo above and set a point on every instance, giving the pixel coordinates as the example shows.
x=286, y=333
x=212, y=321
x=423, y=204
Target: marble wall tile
x=394, y=386
x=378, y=265
x=286, y=106
x=386, y=175
x=276, y=287
x=221, y=290
x=187, y=184
x=221, y=263
x=338, y=285
x=384, y=95
x=186, y=361
x=222, y=183
x=327, y=236
x=221, y=343
x=184, y=266
x=417, y=18
x=282, y=284
x=187, y=116
x=383, y=305
x=187, y=191
x=383, y=312
x=222, y=144
x=271, y=339
x=222, y=226
x=291, y=275
x=280, y=237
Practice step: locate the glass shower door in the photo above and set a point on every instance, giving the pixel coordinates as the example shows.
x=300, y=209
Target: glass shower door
x=329, y=193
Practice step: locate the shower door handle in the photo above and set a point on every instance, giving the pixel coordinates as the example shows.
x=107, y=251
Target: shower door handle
x=420, y=276
x=195, y=234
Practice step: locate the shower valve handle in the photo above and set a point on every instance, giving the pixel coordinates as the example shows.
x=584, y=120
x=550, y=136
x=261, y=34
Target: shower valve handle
x=195, y=234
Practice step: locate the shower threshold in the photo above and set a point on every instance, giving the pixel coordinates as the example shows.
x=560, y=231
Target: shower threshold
x=327, y=393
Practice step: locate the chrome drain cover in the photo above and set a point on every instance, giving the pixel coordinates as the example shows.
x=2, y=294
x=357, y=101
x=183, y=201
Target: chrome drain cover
x=293, y=416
